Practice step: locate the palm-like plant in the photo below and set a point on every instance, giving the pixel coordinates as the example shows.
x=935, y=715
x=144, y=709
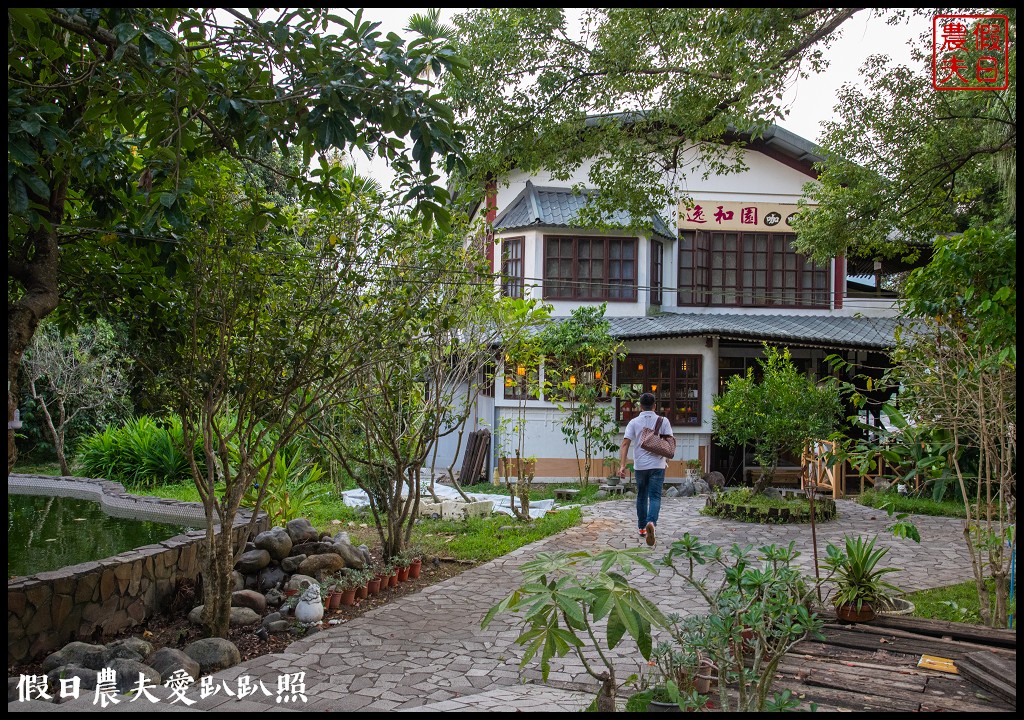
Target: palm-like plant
x=857, y=575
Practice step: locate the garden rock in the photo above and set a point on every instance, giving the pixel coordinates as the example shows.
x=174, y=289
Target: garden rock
x=367, y=557
x=350, y=554
x=278, y=626
x=252, y=582
x=296, y=580
x=686, y=488
x=301, y=531
x=77, y=653
x=701, y=488
x=321, y=564
x=275, y=541
x=253, y=561
x=773, y=493
x=314, y=548
x=715, y=479
x=238, y=579
x=291, y=564
x=131, y=648
x=169, y=660
x=672, y=492
x=274, y=597
x=270, y=577
x=272, y=617
x=249, y=599
x=128, y=673
x=213, y=654
x=239, y=616
x=86, y=676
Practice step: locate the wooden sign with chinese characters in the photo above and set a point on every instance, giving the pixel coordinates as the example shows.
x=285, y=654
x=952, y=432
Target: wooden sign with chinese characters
x=714, y=215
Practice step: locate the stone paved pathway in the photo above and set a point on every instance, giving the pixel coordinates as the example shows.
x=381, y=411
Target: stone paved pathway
x=426, y=652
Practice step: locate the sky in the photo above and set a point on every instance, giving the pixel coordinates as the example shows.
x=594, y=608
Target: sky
x=811, y=101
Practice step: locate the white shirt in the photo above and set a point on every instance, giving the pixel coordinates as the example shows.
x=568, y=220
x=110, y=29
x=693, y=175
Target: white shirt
x=642, y=459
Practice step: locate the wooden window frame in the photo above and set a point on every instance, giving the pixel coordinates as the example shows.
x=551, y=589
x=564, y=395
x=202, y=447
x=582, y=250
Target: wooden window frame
x=657, y=272
x=559, y=287
x=678, y=391
x=513, y=279
x=743, y=269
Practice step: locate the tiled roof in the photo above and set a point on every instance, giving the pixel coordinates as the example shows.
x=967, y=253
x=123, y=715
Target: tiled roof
x=558, y=207
x=815, y=330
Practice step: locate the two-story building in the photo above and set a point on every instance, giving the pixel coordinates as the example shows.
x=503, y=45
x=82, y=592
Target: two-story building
x=693, y=300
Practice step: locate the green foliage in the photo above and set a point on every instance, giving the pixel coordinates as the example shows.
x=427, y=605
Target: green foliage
x=856, y=572
x=580, y=353
x=777, y=414
x=911, y=504
x=483, y=539
x=293, y=489
x=906, y=164
x=142, y=453
x=745, y=505
x=661, y=99
x=955, y=603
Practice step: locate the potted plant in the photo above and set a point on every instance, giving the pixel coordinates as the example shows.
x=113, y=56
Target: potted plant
x=361, y=579
x=860, y=587
x=349, y=584
x=391, y=573
x=401, y=563
x=330, y=592
x=683, y=679
x=372, y=582
x=415, y=563
x=693, y=468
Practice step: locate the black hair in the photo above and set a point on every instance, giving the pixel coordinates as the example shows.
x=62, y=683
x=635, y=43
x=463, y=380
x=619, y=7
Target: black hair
x=647, y=401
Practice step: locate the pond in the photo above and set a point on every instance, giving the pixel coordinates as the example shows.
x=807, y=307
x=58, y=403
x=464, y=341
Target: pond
x=48, y=533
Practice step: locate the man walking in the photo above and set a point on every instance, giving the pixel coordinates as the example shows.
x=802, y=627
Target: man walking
x=648, y=467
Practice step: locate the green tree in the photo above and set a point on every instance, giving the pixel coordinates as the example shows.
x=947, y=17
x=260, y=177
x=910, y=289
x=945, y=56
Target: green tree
x=905, y=163
x=580, y=353
x=75, y=376
x=261, y=320
x=957, y=363
x=648, y=94
x=109, y=110
x=777, y=414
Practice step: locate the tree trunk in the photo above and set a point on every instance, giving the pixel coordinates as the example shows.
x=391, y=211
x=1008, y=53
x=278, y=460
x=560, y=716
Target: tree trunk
x=218, y=563
x=765, y=481
x=37, y=273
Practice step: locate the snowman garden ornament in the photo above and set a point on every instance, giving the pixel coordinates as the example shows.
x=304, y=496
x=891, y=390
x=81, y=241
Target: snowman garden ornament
x=310, y=608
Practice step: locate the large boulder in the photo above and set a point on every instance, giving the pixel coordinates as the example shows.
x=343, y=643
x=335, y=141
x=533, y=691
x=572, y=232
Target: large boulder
x=213, y=654
x=321, y=564
x=249, y=599
x=239, y=616
x=271, y=576
x=253, y=561
x=301, y=531
x=349, y=553
x=131, y=648
x=314, y=548
x=275, y=541
x=291, y=564
x=295, y=581
x=169, y=660
x=77, y=653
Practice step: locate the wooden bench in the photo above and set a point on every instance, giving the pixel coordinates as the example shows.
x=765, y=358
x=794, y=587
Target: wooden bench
x=786, y=476
x=566, y=493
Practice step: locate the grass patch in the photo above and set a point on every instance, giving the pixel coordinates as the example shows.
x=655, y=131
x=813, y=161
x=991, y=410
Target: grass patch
x=49, y=468
x=911, y=504
x=742, y=504
x=955, y=603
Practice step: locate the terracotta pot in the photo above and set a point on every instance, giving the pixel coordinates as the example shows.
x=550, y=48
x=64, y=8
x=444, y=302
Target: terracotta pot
x=393, y=580
x=848, y=612
x=334, y=600
x=403, y=573
x=289, y=593
x=348, y=596
x=414, y=568
x=373, y=586
x=362, y=592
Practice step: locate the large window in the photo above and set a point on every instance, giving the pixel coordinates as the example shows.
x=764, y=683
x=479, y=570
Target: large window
x=589, y=268
x=512, y=267
x=748, y=269
x=675, y=381
x=657, y=269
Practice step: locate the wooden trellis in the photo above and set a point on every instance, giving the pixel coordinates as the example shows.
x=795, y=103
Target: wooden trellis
x=815, y=469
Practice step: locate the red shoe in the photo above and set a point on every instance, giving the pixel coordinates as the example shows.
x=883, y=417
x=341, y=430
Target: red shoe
x=649, y=534
x=643, y=532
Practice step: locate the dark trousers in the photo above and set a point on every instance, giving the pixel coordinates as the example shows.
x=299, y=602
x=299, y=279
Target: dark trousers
x=648, y=496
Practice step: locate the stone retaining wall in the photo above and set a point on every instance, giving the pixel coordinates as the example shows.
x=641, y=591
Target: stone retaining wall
x=93, y=600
